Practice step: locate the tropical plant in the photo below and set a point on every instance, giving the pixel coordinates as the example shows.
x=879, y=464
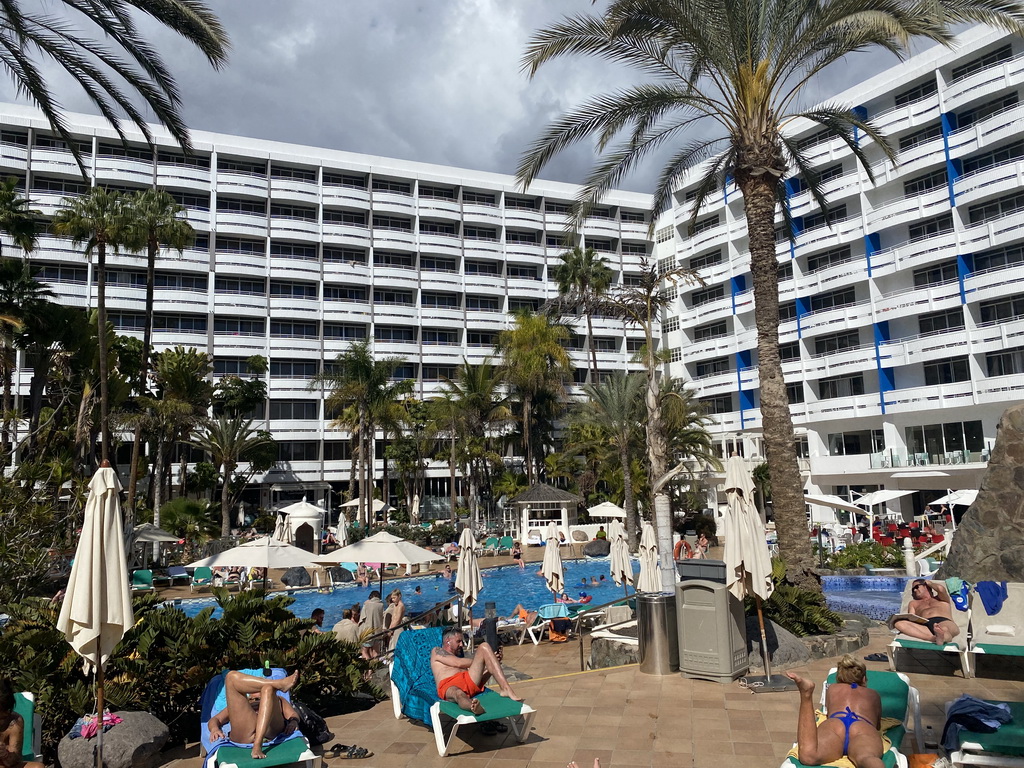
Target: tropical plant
x=583, y=277
x=796, y=609
x=17, y=220
x=119, y=56
x=744, y=67
x=867, y=553
x=237, y=396
x=534, y=364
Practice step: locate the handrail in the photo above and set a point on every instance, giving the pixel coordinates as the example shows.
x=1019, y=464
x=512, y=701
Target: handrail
x=912, y=560
x=592, y=609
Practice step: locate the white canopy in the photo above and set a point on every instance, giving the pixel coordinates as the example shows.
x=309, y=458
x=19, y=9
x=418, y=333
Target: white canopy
x=883, y=496
x=468, y=581
x=382, y=547
x=552, y=565
x=376, y=505
x=265, y=552
x=748, y=566
x=148, y=532
x=303, y=509
x=606, y=509
x=650, y=574
x=621, y=569
x=826, y=500
x=964, y=498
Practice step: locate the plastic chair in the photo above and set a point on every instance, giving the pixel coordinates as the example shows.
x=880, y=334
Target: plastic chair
x=202, y=577
x=142, y=580
x=32, y=740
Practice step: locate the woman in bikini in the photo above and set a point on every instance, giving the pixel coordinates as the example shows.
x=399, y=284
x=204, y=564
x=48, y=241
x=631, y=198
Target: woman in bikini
x=854, y=716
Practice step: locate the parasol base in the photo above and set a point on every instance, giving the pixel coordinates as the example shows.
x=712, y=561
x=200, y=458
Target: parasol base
x=767, y=684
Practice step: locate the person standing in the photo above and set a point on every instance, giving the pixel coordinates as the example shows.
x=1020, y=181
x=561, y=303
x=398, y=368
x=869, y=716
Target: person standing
x=371, y=619
x=394, y=615
x=346, y=630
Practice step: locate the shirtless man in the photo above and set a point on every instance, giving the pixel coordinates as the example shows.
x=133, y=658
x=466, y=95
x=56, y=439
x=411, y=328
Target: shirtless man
x=12, y=730
x=930, y=600
x=854, y=715
x=460, y=677
x=256, y=711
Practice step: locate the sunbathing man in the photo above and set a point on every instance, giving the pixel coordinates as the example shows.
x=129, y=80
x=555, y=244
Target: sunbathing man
x=256, y=710
x=930, y=600
x=12, y=730
x=460, y=677
x=851, y=728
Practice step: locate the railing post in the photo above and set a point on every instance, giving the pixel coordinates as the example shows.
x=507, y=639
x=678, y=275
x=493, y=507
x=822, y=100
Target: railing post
x=909, y=557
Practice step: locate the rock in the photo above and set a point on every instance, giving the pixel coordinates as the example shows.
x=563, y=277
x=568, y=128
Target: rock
x=597, y=548
x=785, y=649
x=133, y=743
x=989, y=542
x=340, y=575
x=296, y=577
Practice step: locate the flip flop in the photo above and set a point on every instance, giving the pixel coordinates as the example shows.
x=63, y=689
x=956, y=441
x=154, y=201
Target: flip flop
x=493, y=728
x=876, y=657
x=344, y=752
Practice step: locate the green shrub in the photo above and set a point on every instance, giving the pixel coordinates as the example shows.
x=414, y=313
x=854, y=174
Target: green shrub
x=867, y=553
x=167, y=658
x=801, y=611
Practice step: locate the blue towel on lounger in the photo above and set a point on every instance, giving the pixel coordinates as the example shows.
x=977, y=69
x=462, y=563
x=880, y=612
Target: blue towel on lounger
x=992, y=594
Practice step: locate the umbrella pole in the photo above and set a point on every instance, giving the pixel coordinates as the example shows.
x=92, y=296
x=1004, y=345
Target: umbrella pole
x=764, y=639
x=767, y=683
x=99, y=716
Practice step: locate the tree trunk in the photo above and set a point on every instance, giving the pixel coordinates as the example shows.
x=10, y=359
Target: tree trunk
x=9, y=357
x=593, y=350
x=225, y=504
x=158, y=479
x=147, y=343
x=628, y=500
x=527, y=443
x=101, y=326
x=451, y=478
x=776, y=420
x=657, y=454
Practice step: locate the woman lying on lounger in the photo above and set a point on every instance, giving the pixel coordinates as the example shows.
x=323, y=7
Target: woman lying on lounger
x=12, y=730
x=851, y=728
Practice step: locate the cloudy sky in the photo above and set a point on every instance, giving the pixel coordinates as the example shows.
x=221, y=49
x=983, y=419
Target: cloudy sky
x=437, y=81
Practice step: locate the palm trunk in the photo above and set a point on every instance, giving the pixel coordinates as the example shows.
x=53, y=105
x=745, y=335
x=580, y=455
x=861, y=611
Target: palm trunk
x=527, y=443
x=451, y=474
x=776, y=420
x=158, y=479
x=225, y=508
x=657, y=456
x=8, y=404
x=101, y=326
x=628, y=500
x=147, y=343
x=593, y=350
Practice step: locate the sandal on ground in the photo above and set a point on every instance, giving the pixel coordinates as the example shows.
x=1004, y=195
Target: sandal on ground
x=876, y=657
x=345, y=752
x=493, y=728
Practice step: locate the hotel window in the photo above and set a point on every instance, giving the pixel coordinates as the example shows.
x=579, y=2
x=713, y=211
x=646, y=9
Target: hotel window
x=789, y=351
x=815, y=138
x=947, y=371
x=403, y=372
x=856, y=443
x=977, y=114
x=795, y=392
x=395, y=333
x=287, y=290
x=664, y=234
x=998, y=56
x=440, y=300
x=344, y=255
x=179, y=323
x=925, y=183
x=302, y=450
x=293, y=251
x=529, y=238
x=518, y=305
x=231, y=366
x=195, y=202
x=944, y=320
x=821, y=218
x=14, y=137
x=705, y=224
x=712, y=367
x=600, y=245
x=836, y=342
x=482, y=268
x=994, y=209
x=479, y=198
x=394, y=259
x=554, y=207
x=479, y=233
x=521, y=203
x=829, y=258
x=238, y=326
x=351, y=218
x=127, y=321
x=247, y=167
x=992, y=158
x=556, y=241
x=717, y=404
x=285, y=329
x=337, y=450
x=672, y=324
x=706, y=259
x=357, y=293
x=843, y=297
x=241, y=246
x=787, y=311
x=350, y=180
x=431, y=192
x=634, y=249
x=840, y=386
x=58, y=186
x=184, y=161
x=999, y=258
x=937, y=439
x=935, y=274
x=1005, y=363
x=666, y=265
x=438, y=372
x=436, y=264
x=392, y=186
x=45, y=141
x=785, y=271
x=294, y=410
x=239, y=287
x=442, y=228
x=434, y=337
x=250, y=207
x=59, y=273
x=392, y=223
x=393, y=297
x=632, y=281
x=292, y=172
x=633, y=217
x=670, y=293
x=605, y=344
x=344, y=331
x=119, y=278
x=920, y=91
x=180, y=282
x=523, y=272
x=291, y=369
x=675, y=355
x=829, y=173
x=936, y=225
x=481, y=338
x=921, y=136
x=1002, y=310
x=575, y=342
x=635, y=345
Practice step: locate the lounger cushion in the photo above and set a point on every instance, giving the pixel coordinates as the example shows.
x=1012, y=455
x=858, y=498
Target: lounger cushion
x=495, y=707
x=285, y=753
x=999, y=649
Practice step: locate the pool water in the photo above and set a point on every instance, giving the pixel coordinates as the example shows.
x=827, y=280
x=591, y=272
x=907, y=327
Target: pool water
x=877, y=597
x=505, y=586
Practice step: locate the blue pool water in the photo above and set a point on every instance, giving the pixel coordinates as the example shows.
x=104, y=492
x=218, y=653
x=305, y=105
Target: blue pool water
x=877, y=597
x=505, y=586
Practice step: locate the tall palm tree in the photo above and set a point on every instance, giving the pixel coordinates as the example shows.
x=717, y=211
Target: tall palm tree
x=363, y=387
x=742, y=67
x=614, y=409
x=96, y=220
x=582, y=278
x=17, y=220
x=533, y=362
x=228, y=440
x=152, y=221
x=113, y=67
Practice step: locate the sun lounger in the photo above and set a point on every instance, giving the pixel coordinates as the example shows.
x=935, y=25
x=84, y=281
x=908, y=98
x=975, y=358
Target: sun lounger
x=1001, y=634
x=142, y=580
x=490, y=546
x=178, y=573
x=202, y=578
x=289, y=752
x=1004, y=747
x=414, y=692
x=32, y=741
x=505, y=544
x=544, y=616
x=958, y=646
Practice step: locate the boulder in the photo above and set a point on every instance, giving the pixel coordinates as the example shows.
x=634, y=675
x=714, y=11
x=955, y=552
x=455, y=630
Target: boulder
x=340, y=575
x=989, y=542
x=296, y=577
x=133, y=743
x=597, y=548
x=785, y=649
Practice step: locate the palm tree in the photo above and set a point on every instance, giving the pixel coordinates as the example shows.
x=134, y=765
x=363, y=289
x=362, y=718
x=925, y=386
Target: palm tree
x=104, y=65
x=614, y=410
x=228, y=440
x=744, y=68
x=96, y=220
x=533, y=363
x=152, y=222
x=582, y=278
x=16, y=219
x=363, y=393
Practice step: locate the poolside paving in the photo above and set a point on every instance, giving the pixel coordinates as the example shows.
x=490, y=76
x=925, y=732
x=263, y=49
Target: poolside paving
x=628, y=718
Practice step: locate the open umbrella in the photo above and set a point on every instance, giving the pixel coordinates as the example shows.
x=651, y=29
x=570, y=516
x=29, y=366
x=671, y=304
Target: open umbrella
x=551, y=568
x=622, y=569
x=964, y=498
x=883, y=496
x=827, y=500
x=606, y=509
x=650, y=575
x=748, y=566
x=382, y=547
x=265, y=552
x=97, y=608
x=147, y=532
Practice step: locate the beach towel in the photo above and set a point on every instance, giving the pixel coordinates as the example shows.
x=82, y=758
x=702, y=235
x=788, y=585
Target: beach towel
x=958, y=592
x=975, y=715
x=209, y=762
x=86, y=726
x=992, y=594
x=844, y=761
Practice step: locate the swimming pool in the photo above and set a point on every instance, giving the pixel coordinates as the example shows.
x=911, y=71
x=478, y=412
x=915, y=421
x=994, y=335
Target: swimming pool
x=877, y=597
x=505, y=586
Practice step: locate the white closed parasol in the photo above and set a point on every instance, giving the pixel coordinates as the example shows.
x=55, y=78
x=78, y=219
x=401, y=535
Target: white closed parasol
x=621, y=568
x=650, y=575
x=551, y=568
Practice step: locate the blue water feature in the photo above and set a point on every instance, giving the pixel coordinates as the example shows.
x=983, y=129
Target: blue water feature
x=505, y=586
x=877, y=597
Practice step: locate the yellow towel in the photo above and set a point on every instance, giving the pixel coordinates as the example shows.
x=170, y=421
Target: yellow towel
x=845, y=762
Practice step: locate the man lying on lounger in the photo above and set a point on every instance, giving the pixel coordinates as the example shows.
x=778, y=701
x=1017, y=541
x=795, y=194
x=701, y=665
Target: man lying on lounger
x=256, y=710
x=930, y=600
x=460, y=677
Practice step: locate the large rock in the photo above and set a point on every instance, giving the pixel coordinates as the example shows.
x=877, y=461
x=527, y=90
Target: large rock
x=133, y=743
x=296, y=577
x=340, y=575
x=597, y=548
x=989, y=542
x=785, y=649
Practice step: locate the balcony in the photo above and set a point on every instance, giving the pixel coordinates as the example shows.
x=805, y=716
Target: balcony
x=837, y=318
x=171, y=300
x=601, y=228
x=252, y=263
x=444, y=245
x=384, y=275
x=291, y=306
x=187, y=176
x=909, y=209
x=997, y=180
x=346, y=234
x=13, y=157
x=246, y=305
x=389, y=239
x=346, y=311
x=357, y=197
x=1003, y=124
x=991, y=78
x=294, y=191
x=529, y=253
x=440, y=207
x=292, y=227
x=486, y=248
x=517, y=217
x=291, y=345
x=248, y=184
x=308, y=269
x=994, y=283
x=250, y=224
x=450, y=281
x=228, y=345
x=482, y=214
x=991, y=233
x=391, y=202
x=910, y=115
x=57, y=161
x=387, y=313
x=998, y=389
x=484, y=283
x=844, y=407
x=124, y=170
x=446, y=316
x=914, y=301
x=929, y=397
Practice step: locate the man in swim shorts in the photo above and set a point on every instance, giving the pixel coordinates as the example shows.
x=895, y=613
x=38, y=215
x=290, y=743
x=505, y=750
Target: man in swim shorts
x=851, y=728
x=930, y=600
x=460, y=677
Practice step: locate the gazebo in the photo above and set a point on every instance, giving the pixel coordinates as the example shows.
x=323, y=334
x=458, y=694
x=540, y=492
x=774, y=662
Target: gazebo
x=540, y=505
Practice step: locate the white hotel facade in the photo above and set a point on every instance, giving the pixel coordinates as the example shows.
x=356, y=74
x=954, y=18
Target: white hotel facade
x=300, y=251
x=902, y=303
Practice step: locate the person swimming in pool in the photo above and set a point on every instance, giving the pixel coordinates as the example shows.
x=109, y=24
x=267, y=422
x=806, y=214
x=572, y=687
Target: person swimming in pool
x=852, y=726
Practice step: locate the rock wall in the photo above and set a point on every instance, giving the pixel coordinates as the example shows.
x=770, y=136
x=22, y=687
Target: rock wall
x=989, y=542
